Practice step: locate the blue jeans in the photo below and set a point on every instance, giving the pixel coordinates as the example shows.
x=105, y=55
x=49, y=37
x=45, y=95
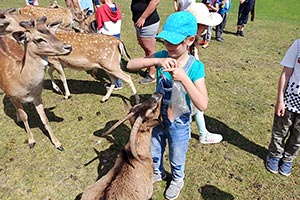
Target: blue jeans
x=176, y=133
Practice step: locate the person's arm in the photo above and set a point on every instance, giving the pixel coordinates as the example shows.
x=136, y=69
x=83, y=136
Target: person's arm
x=175, y=5
x=282, y=84
x=149, y=10
x=215, y=7
x=197, y=91
x=136, y=64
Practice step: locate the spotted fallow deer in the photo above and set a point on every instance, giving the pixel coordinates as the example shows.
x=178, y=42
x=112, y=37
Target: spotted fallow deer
x=22, y=69
x=53, y=14
x=131, y=176
x=91, y=51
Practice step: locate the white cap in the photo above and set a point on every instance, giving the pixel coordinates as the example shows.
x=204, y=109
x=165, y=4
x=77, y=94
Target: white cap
x=203, y=16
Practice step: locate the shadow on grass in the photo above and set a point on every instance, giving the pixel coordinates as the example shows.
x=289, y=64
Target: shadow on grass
x=107, y=157
x=233, y=137
x=211, y=192
x=33, y=117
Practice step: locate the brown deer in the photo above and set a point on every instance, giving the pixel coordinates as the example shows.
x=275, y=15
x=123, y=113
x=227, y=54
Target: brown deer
x=22, y=70
x=53, y=14
x=131, y=176
x=91, y=51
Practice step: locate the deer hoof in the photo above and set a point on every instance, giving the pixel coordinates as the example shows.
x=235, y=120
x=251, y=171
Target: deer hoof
x=60, y=148
x=31, y=145
x=103, y=100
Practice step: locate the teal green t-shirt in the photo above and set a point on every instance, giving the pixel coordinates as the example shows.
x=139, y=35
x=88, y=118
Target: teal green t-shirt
x=195, y=72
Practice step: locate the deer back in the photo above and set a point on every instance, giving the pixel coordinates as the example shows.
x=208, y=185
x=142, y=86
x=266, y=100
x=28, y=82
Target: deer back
x=52, y=14
x=91, y=50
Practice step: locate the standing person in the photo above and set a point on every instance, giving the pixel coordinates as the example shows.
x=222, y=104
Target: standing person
x=213, y=6
x=73, y=4
x=87, y=4
x=175, y=67
x=224, y=8
x=146, y=22
x=204, y=19
x=180, y=5
x=285, y=141
x=32, y=2
x=109, y=18
x=244, y=9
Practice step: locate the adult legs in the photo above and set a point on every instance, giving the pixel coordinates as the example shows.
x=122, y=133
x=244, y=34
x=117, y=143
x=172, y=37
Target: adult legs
x=148, y=45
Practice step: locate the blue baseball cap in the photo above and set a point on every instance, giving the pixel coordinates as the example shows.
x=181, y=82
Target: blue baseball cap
x=178, y=26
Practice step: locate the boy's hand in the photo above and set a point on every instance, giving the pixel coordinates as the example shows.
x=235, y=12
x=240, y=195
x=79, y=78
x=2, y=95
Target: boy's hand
x=280, y=109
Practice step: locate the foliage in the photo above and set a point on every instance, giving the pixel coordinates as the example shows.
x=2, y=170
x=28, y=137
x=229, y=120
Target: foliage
x=242, y=76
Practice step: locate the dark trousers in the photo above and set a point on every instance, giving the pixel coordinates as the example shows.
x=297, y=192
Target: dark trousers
x=221, y=26
x=285, y=141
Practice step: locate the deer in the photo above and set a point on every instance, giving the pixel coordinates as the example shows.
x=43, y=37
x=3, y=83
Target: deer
x=55, y=13
x=89, y=51
x=132, y=173
x=22, y=69
x=92, y=51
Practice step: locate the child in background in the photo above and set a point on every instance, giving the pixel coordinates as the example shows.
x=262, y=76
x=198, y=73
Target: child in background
x=108, y=18
x=87, y=4
x=32, y=2
x=213, y=6
x=224, y=7
x=175, y=66
x=285, y=141
x=245, y=8
x=180, y=5
x=204, y=18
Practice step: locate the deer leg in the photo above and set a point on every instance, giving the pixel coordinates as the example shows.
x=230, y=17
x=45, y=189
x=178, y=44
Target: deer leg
x=22, y=116
x=113, y=81
x=40, y=109
x=56, y=65
x=125, y=77
x=54, y=86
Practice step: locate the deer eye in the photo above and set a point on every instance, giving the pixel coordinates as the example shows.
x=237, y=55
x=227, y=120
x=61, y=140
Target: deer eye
x=40, y=40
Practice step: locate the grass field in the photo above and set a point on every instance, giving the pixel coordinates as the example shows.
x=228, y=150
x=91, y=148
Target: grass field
x=242, y=76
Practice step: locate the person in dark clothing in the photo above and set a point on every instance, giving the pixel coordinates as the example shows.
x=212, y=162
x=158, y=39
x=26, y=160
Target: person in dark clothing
x=246, y=6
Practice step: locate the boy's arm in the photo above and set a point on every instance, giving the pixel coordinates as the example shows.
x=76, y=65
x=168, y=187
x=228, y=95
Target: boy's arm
x=282, y=84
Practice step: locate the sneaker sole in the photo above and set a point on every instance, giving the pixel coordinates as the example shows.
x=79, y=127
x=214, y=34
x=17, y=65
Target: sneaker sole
x=161, y=179
x=173, y=198
x=270, y=170
x=284, y=174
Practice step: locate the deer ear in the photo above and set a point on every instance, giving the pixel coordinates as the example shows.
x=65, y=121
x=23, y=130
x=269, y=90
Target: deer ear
x=41, y=20
x=27, y=24
x=153, y=122
x=10, y=10
x=54, y=25
x=19, y=36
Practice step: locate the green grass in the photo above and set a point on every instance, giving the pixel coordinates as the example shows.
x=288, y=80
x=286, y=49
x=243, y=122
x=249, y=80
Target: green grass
x=242, y=76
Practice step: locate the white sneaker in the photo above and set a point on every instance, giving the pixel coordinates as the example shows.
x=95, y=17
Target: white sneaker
x=211, y=138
